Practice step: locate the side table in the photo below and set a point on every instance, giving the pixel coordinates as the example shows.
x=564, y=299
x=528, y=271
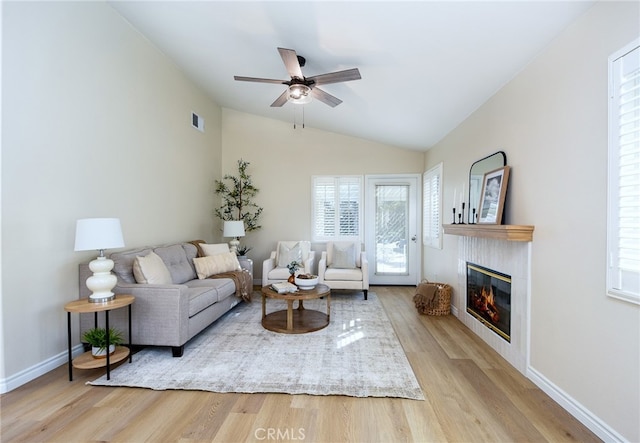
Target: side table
x=86, y=360
x=246, y=264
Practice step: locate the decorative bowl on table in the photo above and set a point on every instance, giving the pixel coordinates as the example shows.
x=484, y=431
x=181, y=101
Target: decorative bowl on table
x=306, y=282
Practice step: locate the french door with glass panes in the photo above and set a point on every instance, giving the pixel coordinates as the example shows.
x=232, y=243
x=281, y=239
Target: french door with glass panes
x=392, y=229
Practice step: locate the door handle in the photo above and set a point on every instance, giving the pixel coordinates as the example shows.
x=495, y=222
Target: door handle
x=414, y=238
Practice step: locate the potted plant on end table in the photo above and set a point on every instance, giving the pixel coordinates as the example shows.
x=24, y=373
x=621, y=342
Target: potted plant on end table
x=97, y=338
x=242, y=252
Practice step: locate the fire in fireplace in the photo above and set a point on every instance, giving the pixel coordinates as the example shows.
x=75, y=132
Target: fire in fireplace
x=489, y=298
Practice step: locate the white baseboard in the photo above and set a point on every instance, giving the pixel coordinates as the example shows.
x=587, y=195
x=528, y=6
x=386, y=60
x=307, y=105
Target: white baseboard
x=582, y=414
x=25, y=376
x=573, y=407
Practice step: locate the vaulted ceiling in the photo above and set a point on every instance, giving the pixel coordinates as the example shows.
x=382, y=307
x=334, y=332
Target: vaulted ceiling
x=425, y=65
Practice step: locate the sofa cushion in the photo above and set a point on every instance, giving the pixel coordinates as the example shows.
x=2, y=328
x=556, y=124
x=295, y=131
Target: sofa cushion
x=204, y=293
x=175, y=257
x=343, y=274
x=150, y=269
x=343, y=255
x=214, y=249
x=191, y=251
x=278, y=274
x=224, y=286
x=123, y=263
x=200, y=299
x=288, y=253
x=216, y=264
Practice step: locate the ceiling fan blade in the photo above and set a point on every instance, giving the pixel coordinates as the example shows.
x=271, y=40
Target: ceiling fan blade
x=260, y=80
x=281, y=100
x=336, y=77
x=325, y=98
x=290, y=60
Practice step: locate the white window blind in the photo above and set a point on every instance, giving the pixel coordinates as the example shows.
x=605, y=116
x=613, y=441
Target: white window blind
x=337, y=208
x=623, y=237
x=432, y=207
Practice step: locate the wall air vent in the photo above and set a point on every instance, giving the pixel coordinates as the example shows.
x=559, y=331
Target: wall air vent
x=197, y=122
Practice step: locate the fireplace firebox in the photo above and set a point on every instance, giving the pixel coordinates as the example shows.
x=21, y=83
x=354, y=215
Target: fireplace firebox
x=489, y=298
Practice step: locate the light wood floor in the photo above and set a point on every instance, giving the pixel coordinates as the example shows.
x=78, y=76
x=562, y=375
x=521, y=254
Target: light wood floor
x=472, y=395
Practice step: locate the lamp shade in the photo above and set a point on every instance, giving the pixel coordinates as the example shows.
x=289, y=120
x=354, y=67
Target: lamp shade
x=98, y=233
x=233, y=228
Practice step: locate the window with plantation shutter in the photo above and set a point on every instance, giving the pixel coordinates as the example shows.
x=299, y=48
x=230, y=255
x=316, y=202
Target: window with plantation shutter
x=623, y=225
x=337, y=208
x=431, y=207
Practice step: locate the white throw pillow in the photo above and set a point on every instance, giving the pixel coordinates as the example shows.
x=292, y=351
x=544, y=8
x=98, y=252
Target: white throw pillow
x=288, y=254
x=216, y=264
x=214, y=249
x=150, y=269
x=344, y=256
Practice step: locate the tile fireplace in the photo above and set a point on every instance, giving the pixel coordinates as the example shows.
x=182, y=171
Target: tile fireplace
x=498, y=261
x=489, y=298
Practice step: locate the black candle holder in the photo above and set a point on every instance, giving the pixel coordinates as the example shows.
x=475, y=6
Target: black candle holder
x=473, y=217
x=462, y=222
x=454, y=216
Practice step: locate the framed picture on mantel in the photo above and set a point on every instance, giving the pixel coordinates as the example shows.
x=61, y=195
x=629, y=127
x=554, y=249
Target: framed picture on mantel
x=494, y=189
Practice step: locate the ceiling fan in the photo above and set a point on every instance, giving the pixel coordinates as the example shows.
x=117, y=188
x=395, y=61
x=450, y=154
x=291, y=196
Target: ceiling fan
x=301, y=89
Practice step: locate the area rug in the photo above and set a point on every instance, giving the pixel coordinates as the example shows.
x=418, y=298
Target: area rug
x=357, y=355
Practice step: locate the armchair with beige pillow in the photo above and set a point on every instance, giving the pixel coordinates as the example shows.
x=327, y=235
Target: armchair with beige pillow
x=274, y=269
x=344, y=265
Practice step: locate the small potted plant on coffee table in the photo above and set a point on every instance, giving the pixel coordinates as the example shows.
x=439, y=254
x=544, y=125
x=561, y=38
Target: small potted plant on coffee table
x=97, y=338
x=293, y=267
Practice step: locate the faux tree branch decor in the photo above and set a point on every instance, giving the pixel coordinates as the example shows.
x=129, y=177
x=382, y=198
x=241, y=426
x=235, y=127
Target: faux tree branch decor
x=237, y=198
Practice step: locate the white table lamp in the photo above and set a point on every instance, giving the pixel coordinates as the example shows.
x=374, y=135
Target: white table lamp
x=235, y=229
x=99, y=234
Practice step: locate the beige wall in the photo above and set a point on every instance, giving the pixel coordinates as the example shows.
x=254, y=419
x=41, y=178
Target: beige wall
x=96, y=122
x=551, y=121
x=283, y=161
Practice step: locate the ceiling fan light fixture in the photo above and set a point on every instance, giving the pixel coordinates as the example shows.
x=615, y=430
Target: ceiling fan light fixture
x=299, y=94
x=301, y=89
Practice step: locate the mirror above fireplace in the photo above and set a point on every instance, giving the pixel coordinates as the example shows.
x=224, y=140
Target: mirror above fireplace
x=517, y=233
x=476, y=176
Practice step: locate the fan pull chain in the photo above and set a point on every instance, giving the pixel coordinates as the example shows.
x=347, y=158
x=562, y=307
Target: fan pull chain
x=295, y=115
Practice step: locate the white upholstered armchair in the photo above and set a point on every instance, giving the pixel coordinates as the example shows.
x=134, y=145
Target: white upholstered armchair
x=274, y=269
x=344, y=265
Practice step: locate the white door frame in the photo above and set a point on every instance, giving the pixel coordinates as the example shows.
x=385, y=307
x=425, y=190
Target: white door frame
x=414, y=181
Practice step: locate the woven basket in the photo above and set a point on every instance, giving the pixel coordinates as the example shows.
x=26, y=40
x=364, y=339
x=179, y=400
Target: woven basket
x=441, y=304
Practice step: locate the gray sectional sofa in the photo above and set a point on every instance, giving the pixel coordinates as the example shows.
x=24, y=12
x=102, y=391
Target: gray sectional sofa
x=165, y=314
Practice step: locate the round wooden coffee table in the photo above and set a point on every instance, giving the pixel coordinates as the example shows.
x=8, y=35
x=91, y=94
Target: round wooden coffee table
x=300, y=320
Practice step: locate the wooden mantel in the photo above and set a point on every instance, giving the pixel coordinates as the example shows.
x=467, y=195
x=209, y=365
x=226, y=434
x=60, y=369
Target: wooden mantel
x=498, y=232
